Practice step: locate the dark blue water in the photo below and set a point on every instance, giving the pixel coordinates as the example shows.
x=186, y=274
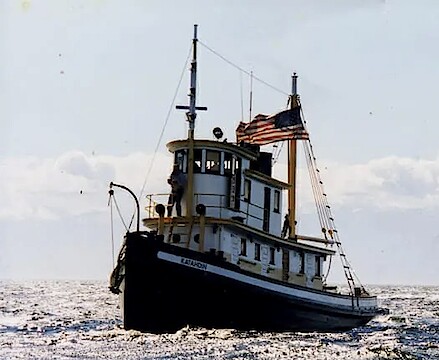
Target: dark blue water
x=81, y=320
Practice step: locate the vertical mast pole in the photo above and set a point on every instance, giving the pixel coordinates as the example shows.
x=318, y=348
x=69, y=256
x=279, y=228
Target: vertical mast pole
x=191, y=115
x=292, y=165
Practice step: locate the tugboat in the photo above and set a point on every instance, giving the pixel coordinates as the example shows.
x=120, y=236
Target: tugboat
x=227, y=255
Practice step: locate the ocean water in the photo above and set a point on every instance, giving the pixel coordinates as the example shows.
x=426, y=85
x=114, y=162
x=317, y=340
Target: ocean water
x=81, y=320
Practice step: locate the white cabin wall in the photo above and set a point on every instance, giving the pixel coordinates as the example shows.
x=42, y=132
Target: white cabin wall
x=295, y=261
x=255, y=208
x=275, y=218
x=245, y=164
x=231, y=245
x=216, y=205
x=309, y=268
x=235, y=247
x=278, y=258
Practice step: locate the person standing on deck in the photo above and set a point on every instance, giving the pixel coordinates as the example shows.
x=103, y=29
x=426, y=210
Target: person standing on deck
x=177, y=180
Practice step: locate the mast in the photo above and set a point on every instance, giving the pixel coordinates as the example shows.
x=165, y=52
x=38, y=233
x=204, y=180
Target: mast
x=191, y=115
x=292, y=165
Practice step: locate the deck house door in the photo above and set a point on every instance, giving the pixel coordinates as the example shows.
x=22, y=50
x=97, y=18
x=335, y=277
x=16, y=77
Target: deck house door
x=267, y=202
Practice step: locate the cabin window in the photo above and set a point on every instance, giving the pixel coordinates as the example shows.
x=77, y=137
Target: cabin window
x=227, y=164
x=243, y=247
x=257, y=251
x=198, y=154
x=212, y=162
x=276, y=206
x=180, y=159
x=272, y=252
x=318, y=266
x=247, y=190
x=302, y=263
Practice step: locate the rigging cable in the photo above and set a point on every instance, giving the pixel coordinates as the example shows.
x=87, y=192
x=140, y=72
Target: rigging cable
x=316, y=188
x=325, y=215
x=120, y=214
x=249, y=73
x=168, y=115
x=278, y=152
x=165, y=123
x=175, y=96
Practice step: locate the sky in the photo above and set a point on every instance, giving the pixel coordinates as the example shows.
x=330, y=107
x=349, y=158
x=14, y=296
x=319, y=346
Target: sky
x=86, y=88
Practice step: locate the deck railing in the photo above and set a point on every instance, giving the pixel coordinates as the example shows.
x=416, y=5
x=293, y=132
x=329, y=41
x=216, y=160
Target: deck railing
x=211, y=201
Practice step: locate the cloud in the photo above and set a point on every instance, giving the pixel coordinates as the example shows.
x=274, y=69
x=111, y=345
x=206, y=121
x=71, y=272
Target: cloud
x=73, y=183
x=386, y=183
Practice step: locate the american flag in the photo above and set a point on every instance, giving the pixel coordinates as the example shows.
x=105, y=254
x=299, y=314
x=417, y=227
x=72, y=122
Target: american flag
x=265, y=129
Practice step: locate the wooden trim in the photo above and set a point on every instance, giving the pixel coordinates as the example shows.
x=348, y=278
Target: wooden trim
x=256, y=175
x=275, y=240
x=314, y=239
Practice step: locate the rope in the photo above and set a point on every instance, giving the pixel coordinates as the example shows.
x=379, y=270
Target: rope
x=277, y=155
x=120, y=214
x=165, y=124
x=241, y=69
x=325, y=215
x=168, y=115
x=329, y=268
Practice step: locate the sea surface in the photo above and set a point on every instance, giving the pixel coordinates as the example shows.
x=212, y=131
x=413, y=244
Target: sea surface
x=81, y=320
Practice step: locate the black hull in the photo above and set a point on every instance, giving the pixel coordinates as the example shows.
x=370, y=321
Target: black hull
x=160, y=296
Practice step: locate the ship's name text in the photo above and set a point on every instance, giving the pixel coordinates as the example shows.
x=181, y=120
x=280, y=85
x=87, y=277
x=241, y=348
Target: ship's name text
x=196, y=264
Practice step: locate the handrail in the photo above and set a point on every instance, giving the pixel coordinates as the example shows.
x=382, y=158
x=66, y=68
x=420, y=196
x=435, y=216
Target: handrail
x=150, y=208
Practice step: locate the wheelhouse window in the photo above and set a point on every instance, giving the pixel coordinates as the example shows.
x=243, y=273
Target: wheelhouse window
x=272, y=252
x=276, y=205
x=212, y=162
x=247, y=190
x=228, y=163
x=257, y=251
x=243, y=246
x=198, y=155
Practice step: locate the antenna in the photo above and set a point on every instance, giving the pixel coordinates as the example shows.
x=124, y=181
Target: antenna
x=242, y=97
x=251, y=95
x=192, y=113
